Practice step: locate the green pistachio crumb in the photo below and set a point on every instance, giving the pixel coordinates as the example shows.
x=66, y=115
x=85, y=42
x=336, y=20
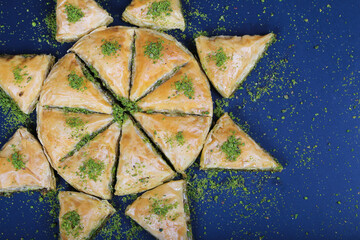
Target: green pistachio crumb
x=77, y=126
x=219, y=57
x=71, y=223
x=76, y=82
x=119, y=114
x=161, y=207
x=232, y=148
x=186, y=86
x=109, y=48
x=91, y=169
x=160, y=8
x=19, y=76
x=16, y=159
x=180, y=138
x=73, y=13
x=153, y=50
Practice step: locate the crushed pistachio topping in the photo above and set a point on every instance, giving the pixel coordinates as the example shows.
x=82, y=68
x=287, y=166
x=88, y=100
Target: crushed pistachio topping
x=232, y=148
x=73, y=13
x=153, y=50
x=157, y=9
x=129, y=106
x=219, y=57
x=76, y=82
x=16, y=159
x=77, y=126
x=119, y=114
x=19, y=76
x=162, y=207
x=94, y=71
x=179, y=138
x=109, y=48
x=91, y=169
x=186, y=86
x=71, y=223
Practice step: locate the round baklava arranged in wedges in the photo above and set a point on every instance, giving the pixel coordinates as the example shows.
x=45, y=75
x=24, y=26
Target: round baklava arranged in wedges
x=125, y=104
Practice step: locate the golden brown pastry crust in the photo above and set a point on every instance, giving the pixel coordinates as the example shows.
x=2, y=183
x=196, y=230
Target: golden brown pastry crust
x=242, y=52
x=114, y=69
x=93, y=212
x=146, y=71
x=57, y=91
x=163, y=130
x=37, y=173
x=140, y=166
x=26, y=93
x=252, y=156
x=102, y=148
x=167, y=99
x=94, y=17
x=58, y=138
x=137, y=13
x=171, y=226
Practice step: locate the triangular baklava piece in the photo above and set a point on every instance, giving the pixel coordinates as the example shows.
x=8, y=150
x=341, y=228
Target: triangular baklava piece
x=140, y=166
x=60, y=132
x=188, y=91
x=81, y=215
x=75, y=18
x=108, y=51
x=229, y=147
x=227, y=60
x=157, y=57
x=180, y=138
x=67, y=86
x=91, y=169
x=163, y=211
x=21, y=77
x=24, y=165
x=156, y=14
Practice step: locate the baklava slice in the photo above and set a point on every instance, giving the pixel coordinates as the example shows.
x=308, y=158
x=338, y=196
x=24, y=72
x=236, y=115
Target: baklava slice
x=22, y=76
x=227, y=60
x=163, y=211
x=81, y=215
x=24, y=165
x=229, y=147
x=75, y=18
x=155, y=14
x=68, y=86
x=108, y=53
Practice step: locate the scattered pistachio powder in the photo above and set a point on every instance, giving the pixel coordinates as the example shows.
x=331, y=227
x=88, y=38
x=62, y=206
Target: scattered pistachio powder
x=94, y=71
x=162, y=207
x=128, y=105
x=109, y=48
x=219, y=57
x=186, y=86
x=19, y=76
x=76, y=82
x=77, y=126
x=91, y=169
x=50, y=21
x=231, y=148
x=153, y=50
x=74, y=14
x=119, y=114
x=180, y=138
x=71, y=223
x=160, y=8
x=16, y=159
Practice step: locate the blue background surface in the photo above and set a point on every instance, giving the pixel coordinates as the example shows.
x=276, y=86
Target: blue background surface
x=308, y=119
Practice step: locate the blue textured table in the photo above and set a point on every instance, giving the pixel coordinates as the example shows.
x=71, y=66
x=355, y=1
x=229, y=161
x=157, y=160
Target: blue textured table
x=301, y=103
